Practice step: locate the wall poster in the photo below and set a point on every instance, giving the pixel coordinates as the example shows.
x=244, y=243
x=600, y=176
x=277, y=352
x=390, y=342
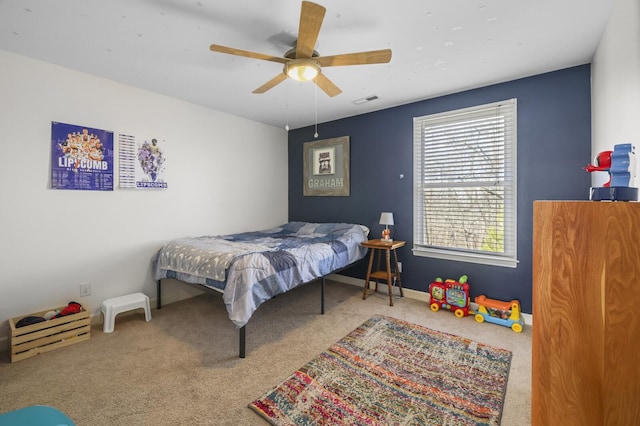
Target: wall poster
x=141, y=162
x=81, y=158
x=326, y=167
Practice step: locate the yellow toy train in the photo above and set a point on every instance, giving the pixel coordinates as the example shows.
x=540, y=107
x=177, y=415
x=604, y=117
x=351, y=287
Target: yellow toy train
x=499, y=312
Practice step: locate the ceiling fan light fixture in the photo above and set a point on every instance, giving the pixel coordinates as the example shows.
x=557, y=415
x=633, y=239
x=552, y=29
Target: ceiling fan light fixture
x=302, y=62
x=302, y=69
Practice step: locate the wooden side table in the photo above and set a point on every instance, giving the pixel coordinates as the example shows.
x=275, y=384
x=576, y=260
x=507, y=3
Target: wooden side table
x=388, y=247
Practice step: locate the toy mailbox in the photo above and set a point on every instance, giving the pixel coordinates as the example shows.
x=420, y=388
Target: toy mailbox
x=620, y=164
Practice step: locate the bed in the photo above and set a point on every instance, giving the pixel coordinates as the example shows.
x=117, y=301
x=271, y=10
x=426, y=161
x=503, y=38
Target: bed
x=252, y=267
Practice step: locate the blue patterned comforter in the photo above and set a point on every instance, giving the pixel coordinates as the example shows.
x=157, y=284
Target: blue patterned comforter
x=259, y=265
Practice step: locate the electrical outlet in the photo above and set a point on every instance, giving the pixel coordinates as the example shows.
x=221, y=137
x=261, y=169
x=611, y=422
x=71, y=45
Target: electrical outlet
x=400, y=267
x=85, y=289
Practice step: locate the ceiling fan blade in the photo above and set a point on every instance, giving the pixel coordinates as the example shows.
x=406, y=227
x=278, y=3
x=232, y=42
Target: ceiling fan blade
x=327, y=85
x=311, y=16
x=360, y=58
x=271, y=83
x=246, y=53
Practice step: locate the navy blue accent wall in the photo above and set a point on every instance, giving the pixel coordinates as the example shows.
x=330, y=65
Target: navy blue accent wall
x=554, y=144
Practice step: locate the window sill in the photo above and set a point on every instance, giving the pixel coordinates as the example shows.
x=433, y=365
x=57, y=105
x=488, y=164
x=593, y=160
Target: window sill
x=466, y=257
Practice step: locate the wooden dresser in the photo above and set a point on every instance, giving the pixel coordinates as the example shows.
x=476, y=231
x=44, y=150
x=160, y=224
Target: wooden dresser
x=586, y=313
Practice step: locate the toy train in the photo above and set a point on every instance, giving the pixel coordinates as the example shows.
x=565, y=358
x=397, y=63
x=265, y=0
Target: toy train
x=499, y=312
x=450, y=294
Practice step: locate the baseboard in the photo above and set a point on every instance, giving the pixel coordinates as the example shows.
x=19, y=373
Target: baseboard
x=407, y=292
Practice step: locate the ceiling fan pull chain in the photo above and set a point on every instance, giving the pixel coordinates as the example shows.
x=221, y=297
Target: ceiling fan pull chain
x=286, y=127
x=315, y=135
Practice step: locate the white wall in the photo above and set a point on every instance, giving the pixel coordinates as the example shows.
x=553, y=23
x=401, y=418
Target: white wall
x=225, y=174
x=615, y=93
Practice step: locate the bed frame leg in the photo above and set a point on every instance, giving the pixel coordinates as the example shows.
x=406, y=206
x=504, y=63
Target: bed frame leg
x=243, y=342
x=159, y=297
x=322, y=298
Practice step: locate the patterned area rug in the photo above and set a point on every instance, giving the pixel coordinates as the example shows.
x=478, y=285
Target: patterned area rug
x=391, y=372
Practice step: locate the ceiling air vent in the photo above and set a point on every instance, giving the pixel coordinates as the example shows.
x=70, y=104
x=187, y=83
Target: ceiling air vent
x=365, y=100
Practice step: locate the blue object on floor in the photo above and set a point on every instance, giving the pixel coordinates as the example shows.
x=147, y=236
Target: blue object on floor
x=35, y=415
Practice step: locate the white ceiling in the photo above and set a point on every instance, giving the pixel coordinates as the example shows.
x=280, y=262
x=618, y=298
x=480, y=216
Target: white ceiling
x=439, y=47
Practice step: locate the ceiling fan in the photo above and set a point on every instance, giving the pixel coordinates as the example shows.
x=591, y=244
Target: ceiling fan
x=303, y=63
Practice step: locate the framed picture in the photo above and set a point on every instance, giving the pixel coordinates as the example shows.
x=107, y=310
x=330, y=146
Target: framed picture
x=326, y=167
x=81, y=158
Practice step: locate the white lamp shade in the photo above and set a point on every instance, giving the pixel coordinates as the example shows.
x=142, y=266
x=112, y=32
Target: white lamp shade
x=386, y=218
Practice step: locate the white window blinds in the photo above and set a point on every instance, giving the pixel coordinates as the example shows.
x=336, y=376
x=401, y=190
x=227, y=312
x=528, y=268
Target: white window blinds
x=465, y=184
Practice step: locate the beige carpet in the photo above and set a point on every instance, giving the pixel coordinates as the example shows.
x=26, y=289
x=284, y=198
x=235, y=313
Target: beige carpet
x=182, y=367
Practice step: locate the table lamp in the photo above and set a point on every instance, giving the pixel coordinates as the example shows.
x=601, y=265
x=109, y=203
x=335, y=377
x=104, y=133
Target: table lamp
x=386, y=219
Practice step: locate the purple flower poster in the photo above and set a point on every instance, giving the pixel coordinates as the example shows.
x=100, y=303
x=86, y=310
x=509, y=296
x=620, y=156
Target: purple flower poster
x=81, y=158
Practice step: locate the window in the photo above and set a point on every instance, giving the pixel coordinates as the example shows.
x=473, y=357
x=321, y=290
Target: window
x=465, y=185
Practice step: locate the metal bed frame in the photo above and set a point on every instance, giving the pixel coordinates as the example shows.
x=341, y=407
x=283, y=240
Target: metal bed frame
x=242, y=330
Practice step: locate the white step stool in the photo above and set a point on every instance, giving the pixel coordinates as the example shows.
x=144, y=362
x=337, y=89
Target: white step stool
x=112, y=307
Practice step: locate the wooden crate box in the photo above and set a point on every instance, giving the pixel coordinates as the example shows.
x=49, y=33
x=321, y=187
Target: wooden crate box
x=46, y=336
